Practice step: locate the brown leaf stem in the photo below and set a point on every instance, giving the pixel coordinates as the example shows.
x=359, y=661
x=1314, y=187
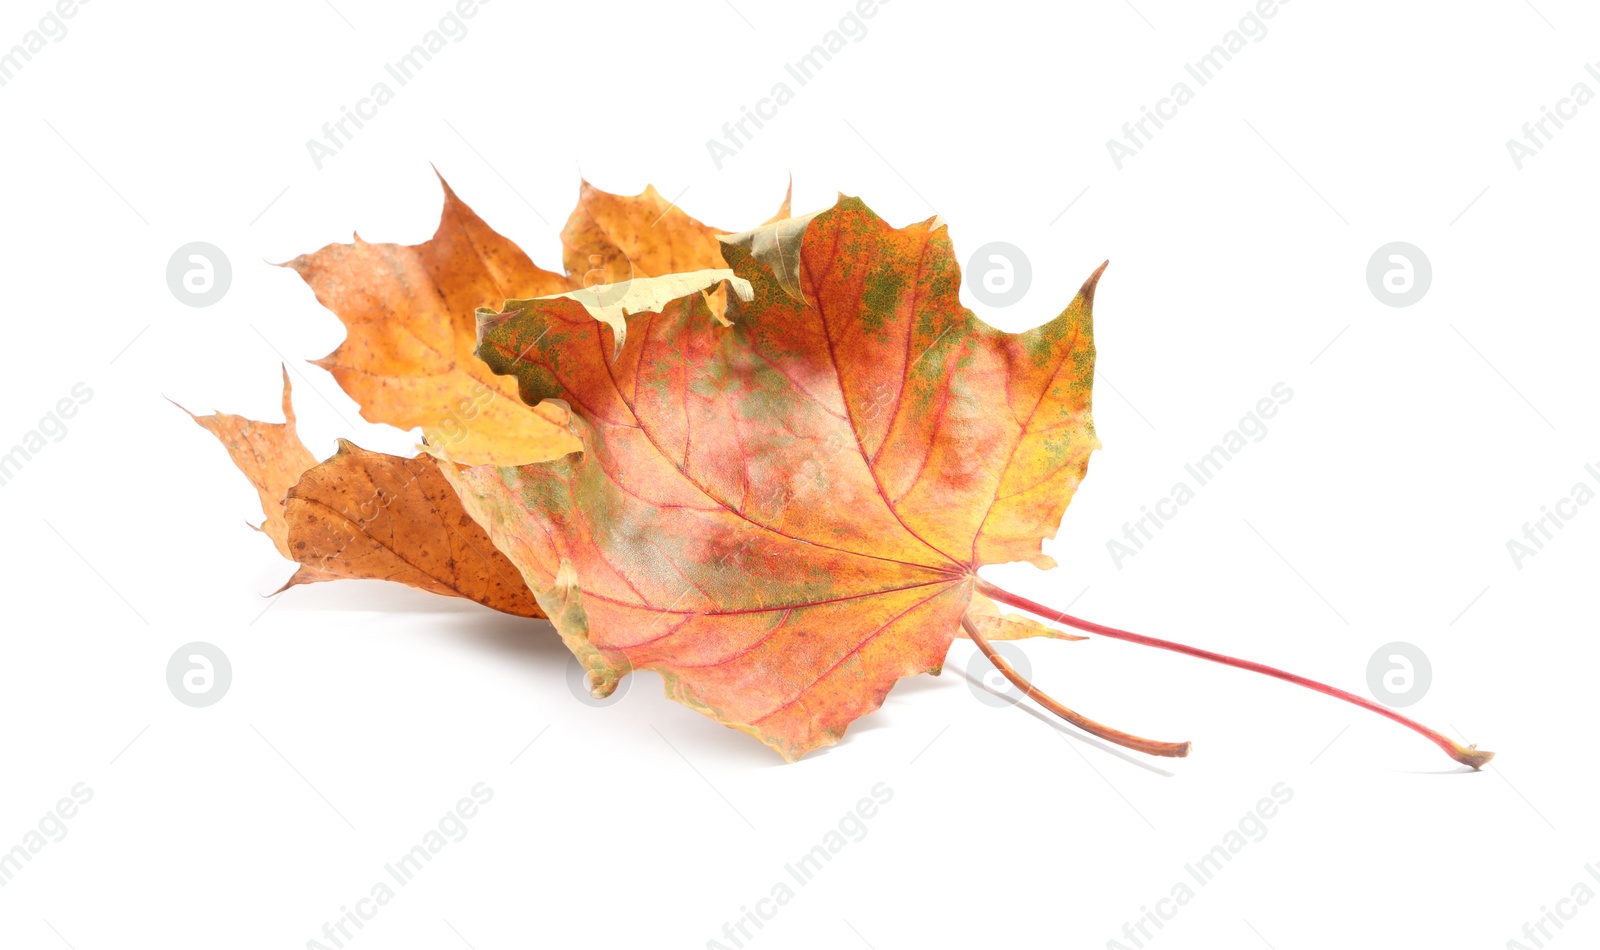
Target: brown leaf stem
x=1138, y=744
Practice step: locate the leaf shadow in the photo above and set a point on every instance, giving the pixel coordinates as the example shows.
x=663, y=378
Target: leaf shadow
x=1458, y=770
x=365, y=594
x=536, y=644
x=1068, y=732
x=876, y=720
x=524, y=639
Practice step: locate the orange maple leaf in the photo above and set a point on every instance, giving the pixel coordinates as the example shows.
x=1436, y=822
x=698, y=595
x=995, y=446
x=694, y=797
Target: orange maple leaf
x=785, y=516
x=408, y=357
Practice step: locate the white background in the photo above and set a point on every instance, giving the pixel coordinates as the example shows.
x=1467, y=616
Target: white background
x=1377, y=508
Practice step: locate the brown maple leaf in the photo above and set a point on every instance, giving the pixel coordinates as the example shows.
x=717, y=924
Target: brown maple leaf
x=367, y=515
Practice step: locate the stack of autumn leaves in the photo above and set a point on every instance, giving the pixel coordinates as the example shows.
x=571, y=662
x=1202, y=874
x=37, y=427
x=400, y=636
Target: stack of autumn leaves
x=765, y=465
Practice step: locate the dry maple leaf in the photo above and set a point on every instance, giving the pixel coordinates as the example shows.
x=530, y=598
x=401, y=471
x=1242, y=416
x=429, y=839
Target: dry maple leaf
x=786, y=515
x=408, y=357
x=610, y=239
x=367, y=515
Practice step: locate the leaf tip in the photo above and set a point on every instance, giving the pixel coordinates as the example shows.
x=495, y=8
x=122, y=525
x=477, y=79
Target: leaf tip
x=1087, y=290
x=180, y=406
x=452, y=201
